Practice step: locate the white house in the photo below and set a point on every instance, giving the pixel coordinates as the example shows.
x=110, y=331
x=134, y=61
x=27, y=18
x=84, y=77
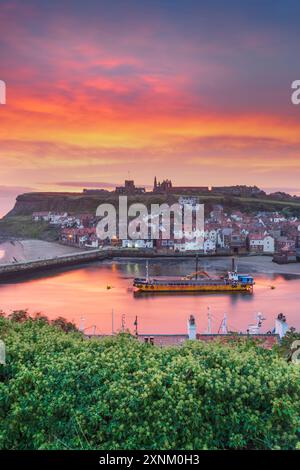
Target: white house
x=94, y=243
x=212, y=235
x=137, y=243
x=261, y=243
x=188, y=200
x=39, y=216
x=209, y=245
x=57, y=218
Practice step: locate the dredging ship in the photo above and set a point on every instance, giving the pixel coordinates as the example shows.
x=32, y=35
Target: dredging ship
x=199, y=281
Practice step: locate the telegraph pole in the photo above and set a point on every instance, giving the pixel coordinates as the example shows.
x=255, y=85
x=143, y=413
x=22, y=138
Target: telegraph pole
x=112, y=322
x=209, y=321
x=81, y=327
x=123, y=322
x=136, y=326
x=224, y=325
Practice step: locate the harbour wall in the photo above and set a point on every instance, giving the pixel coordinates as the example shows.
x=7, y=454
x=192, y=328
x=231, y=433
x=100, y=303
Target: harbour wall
x=14, y=270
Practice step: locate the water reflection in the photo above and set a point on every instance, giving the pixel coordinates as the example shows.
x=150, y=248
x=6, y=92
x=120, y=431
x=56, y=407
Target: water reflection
x=83, y=292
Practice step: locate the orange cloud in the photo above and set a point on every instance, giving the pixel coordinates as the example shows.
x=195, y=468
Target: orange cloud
x=89, y=95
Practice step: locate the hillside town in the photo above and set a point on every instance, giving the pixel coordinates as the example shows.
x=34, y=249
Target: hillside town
x=225, y=232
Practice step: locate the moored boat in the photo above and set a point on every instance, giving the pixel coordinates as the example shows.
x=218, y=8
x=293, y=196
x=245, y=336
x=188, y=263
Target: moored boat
x=200, y=281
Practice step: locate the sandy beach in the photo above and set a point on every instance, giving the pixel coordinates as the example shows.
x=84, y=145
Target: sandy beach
x=261, y=264
x=31, y=250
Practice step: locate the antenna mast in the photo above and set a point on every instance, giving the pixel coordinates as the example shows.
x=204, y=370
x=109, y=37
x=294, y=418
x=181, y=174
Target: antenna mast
x=136, y=326
x=123, y=322
x=208, y=321
x=81, y=327
x=112, y=322
x=224, y=325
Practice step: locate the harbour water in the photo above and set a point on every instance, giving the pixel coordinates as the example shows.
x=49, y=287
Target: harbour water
x=98, y=294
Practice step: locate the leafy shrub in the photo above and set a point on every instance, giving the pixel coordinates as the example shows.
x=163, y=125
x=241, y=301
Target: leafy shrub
x=61, y=391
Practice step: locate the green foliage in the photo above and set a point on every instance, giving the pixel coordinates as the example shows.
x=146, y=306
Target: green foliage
x=61, y=391
x=23, y=227
x=19, y=218
x=63, y=324
x=18, y=316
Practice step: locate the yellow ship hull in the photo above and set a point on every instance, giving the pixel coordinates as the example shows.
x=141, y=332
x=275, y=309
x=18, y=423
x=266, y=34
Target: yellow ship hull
x=197, y=288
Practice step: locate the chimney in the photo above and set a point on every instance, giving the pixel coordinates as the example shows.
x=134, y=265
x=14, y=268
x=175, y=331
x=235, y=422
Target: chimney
x=281, y=325
x=192, y=327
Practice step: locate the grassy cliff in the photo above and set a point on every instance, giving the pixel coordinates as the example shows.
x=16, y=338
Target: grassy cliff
x=18, y=222
x=23, y=227
x=78, y=203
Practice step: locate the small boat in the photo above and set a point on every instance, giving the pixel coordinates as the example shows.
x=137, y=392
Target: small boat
x=200, y=281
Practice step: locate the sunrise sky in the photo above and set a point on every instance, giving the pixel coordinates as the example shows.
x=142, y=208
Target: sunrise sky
x=196, y=91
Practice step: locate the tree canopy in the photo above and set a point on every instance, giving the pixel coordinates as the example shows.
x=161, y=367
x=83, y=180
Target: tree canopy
x=59, y=390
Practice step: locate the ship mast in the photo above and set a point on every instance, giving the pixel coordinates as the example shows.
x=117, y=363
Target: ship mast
x=253, y=329
x=208, y=321
x=224, y=325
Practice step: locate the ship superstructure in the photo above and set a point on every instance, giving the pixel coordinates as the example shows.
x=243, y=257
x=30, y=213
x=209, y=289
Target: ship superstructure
x=200, y=281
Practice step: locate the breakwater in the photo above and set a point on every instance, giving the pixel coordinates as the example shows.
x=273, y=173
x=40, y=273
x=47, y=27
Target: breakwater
x=19, y=269
x=14, y=270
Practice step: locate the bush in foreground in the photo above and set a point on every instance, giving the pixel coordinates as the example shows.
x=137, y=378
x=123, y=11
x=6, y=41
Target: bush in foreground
x=61, y=391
